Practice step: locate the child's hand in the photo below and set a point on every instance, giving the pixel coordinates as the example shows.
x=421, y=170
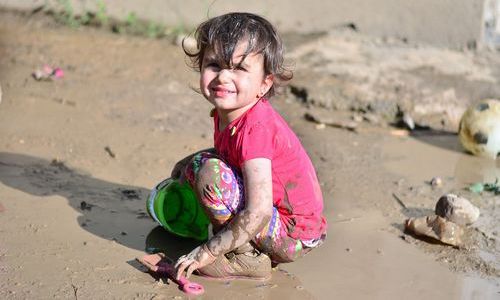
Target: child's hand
x=195, y=259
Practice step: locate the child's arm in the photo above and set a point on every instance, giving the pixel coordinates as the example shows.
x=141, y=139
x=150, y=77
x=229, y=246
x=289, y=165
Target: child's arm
x=245, y=225
x=257, y=212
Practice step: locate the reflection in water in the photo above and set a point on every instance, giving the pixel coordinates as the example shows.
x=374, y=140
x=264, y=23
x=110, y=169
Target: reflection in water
x=470, y=169
x=439, y=138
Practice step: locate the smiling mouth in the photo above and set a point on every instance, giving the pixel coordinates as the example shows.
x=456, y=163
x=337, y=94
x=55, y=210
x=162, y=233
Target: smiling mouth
x=221, y=92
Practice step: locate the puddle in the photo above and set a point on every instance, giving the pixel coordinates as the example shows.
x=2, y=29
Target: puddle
x=361, y=260
x=283, y=284
x=425, y=156
x=418, y=159
x=479, y=289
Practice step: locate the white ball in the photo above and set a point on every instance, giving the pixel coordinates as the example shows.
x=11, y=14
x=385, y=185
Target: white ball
x=479, y=129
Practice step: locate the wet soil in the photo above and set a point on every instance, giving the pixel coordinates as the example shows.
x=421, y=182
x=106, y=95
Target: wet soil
x=78, y=156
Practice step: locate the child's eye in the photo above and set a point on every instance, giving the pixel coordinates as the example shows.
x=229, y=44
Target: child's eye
x=240, y=68
x=213, y=65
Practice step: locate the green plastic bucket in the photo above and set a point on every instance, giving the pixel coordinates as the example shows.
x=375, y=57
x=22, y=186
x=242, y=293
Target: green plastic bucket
x=176, y=208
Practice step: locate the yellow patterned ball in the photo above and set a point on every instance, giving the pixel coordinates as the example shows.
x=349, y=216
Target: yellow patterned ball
x=479, y=129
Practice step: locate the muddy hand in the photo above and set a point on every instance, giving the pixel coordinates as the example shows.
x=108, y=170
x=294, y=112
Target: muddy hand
x=196, y=259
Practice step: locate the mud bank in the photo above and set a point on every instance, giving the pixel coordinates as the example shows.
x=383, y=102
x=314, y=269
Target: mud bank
x=448, y=23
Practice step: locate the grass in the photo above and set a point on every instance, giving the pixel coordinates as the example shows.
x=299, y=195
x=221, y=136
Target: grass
x=101, y=14
x=135, y=26
x=67, y=14
x=64, y=13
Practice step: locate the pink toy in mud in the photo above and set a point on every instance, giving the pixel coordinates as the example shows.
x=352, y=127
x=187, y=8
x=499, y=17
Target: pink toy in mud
x=158, y=263
x=48, y=73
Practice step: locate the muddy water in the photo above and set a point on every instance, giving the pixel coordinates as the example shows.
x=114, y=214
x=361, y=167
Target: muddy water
x=422, y=157
x=438, y=154
x=426, y=155
x=367, y=255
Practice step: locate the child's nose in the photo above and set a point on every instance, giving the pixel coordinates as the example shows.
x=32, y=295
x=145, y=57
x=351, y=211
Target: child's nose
x=224, y=75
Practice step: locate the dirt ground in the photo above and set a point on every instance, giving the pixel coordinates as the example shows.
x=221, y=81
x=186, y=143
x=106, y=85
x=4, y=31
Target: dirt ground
x=78, y=156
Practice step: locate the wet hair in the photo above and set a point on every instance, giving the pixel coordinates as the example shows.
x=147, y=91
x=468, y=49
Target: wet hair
x=221, y=35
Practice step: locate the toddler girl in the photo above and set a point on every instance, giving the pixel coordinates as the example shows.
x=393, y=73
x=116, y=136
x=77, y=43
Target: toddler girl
x=258, y=185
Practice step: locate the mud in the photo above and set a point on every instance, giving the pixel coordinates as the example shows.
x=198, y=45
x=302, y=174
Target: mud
x=73, y=217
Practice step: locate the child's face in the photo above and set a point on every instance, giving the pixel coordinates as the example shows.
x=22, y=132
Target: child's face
x=233, y=91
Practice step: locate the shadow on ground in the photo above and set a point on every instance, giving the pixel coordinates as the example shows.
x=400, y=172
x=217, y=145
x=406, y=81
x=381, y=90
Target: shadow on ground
x=439, y=138
x=108, y=210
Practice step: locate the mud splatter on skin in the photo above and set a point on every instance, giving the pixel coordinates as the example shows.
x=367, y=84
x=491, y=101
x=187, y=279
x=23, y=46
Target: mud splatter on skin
x=232, y=233
x=242, y=228
x=244, y=225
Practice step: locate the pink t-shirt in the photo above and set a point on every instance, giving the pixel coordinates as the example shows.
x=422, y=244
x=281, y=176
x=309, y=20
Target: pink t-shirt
x=262, y=133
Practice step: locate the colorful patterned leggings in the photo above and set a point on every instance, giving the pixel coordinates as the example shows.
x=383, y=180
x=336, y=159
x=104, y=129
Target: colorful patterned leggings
x=221, y=192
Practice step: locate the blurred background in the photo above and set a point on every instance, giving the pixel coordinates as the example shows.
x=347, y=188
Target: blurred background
x=450, y=23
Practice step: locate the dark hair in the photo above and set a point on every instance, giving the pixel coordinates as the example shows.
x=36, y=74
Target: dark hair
x=221, y=35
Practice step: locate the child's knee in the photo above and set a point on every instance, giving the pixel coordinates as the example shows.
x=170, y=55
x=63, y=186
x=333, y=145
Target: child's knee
x=200, y=162
x=208, y=169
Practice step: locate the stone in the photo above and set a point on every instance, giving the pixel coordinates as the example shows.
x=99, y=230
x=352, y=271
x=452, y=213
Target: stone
x=408, y=121
x=319, y=117
x=456, y=209
x=436, y=182
x=436, y=228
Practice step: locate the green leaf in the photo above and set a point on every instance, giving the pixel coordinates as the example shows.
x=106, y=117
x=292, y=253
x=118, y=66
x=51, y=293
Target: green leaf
x=476, y=188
